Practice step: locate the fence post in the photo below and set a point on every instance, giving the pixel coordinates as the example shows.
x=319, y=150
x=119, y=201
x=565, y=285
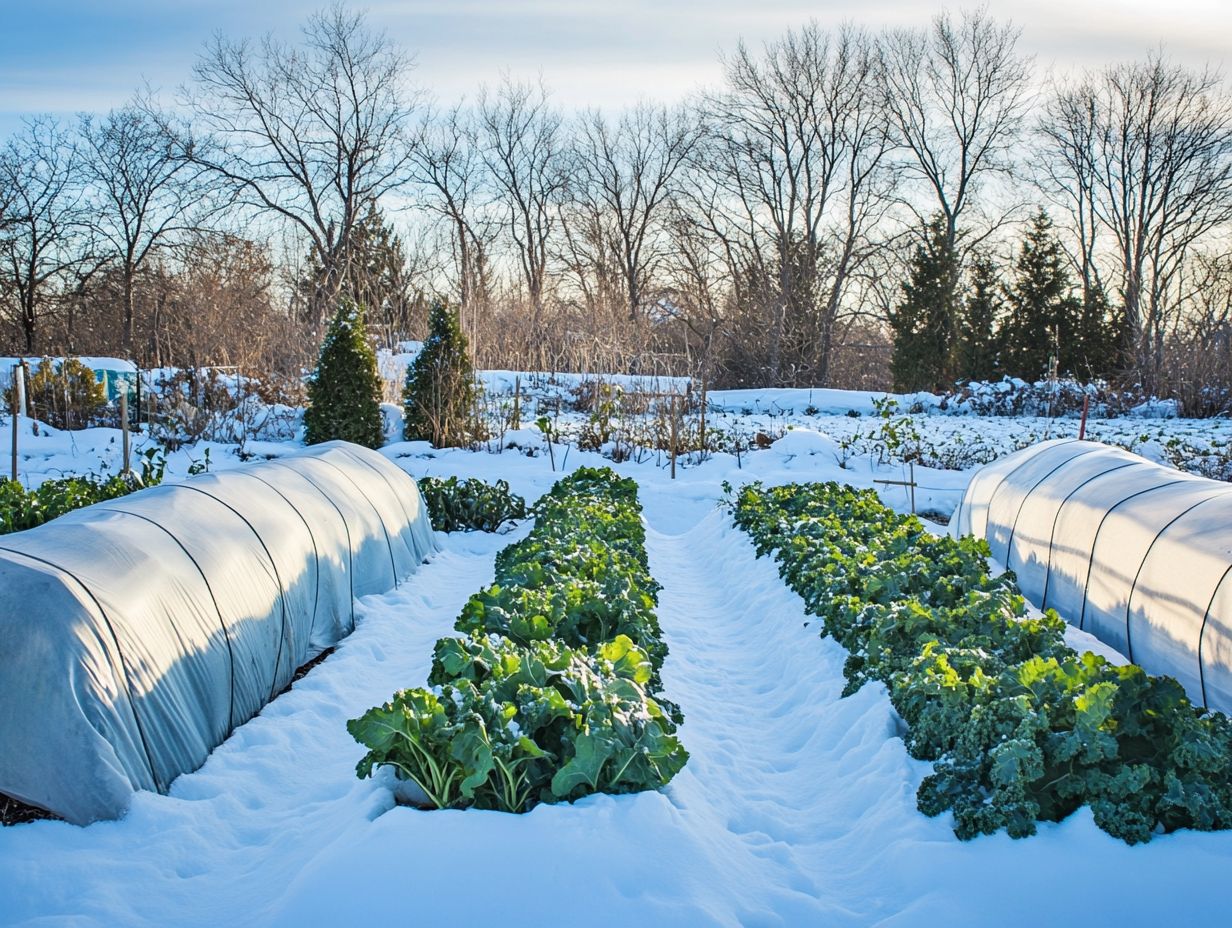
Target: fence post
x=517, y=401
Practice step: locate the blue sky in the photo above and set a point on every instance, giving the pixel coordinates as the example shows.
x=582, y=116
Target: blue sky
x=65, y=56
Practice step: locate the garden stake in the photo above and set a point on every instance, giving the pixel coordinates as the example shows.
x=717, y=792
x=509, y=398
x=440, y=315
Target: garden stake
x=16, y=377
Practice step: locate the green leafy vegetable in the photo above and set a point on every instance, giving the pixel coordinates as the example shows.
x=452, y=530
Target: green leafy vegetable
x=1021, y=727
x=552, y=692
x=470, y=505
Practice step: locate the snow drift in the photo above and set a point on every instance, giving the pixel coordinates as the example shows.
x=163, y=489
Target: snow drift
x=1138, y=554
x=136, y=634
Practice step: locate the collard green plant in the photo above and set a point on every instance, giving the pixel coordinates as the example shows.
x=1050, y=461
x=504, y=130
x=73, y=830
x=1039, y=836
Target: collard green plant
x=1021, y=727
x=507, y=726
x=21, y=509
x=470, y=505
x=552, y=693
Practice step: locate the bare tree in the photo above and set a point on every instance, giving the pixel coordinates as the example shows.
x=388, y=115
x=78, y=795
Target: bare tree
x=955, y=94
x=1148, y=147
x=798, y=146
x=8, y=197
x=627, y=170
x=523, y=151
x=449, y=166
x=142, y=191
x=311, y=134
x=1066, y=173
x=40, y=170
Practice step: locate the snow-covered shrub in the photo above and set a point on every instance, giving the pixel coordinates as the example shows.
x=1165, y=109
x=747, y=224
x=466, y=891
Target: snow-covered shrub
x=344, y=394
x=1064, y=397
x=439, y=395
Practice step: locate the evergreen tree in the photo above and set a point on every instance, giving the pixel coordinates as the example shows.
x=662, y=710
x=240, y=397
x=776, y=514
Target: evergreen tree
x=344, y=393
x=1101, y=337
x=439, y=395
x=376, y=276
x=925, y=323
x=1042, y=310
x=978, y=344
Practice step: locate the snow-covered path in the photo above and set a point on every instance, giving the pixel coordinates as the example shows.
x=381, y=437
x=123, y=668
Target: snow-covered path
x=812, y=796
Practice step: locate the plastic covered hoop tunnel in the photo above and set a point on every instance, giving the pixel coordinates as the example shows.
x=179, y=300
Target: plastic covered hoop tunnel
x=1137, y=554
x=136, y=634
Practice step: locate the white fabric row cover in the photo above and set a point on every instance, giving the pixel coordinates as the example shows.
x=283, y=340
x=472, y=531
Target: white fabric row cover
x=1137, y=554
x=136, y=634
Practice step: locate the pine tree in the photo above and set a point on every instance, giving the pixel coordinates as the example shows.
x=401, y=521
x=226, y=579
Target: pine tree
x=925, y=323
x=1101, y=337
x=978, y=344
x=439, y=395
x=344, y=393
x=1042, y=310
x=376, y=275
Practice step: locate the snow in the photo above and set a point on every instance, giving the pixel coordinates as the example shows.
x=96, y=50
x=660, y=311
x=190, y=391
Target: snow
x=789, y=400
x=797, y=807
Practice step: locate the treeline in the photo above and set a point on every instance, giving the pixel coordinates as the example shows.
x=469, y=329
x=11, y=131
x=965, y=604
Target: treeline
x=848, y=207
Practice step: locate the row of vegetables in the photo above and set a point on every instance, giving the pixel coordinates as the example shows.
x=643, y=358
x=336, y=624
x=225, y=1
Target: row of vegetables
x=22, y=509
x=1020, y=727
x=551, y=690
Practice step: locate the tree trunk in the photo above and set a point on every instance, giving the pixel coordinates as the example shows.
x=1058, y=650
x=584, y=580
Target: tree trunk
x=129, y=310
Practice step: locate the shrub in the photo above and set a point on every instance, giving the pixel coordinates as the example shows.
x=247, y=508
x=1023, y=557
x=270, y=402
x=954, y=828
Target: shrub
x=344, y=393
x=439, y=394
x=470, y=505
x=65, y=394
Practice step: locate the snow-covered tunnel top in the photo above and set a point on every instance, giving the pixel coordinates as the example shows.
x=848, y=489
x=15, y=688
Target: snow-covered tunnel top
x=136, y=634
x=1138, y=554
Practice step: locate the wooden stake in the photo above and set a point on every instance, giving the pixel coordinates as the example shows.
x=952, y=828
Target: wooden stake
x=1082, y=426
x=702, y=424
x=909, y=484
x=17, y=404
x=124, y=430
x=673, y=432
x=517, y=401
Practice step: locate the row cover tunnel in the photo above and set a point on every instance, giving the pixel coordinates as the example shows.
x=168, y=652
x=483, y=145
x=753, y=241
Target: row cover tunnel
x=136, y=634
x=1137, y=554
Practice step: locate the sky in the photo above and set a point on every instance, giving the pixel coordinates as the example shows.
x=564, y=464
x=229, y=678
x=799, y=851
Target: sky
x=67, y=56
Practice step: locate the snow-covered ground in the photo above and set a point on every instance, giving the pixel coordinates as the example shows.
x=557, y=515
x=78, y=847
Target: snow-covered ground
x=797, y=807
